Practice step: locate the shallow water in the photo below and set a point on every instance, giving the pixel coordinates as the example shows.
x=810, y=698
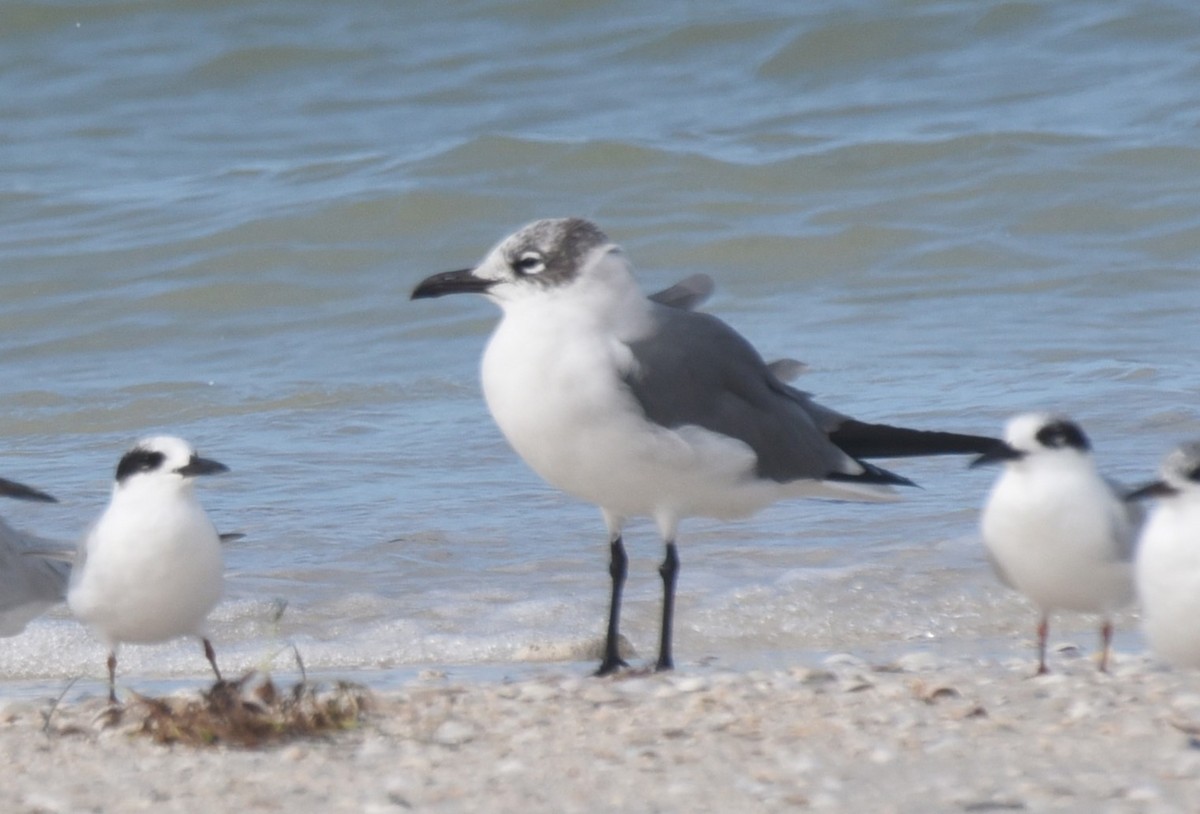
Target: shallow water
x=213, y=214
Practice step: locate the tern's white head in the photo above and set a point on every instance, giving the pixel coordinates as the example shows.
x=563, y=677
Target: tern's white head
x=19, y=491
x=1038, y=436
x=163, y=460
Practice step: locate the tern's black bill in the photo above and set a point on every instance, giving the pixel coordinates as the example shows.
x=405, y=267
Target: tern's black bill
x=1157, y=489
x=19, y=491
x=450, y=282
x=998, y=454
x=201, y=466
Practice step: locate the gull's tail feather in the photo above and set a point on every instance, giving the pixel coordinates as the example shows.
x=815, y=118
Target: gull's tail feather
x=687, y=294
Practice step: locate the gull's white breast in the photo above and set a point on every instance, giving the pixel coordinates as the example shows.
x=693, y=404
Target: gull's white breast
x=552, y=376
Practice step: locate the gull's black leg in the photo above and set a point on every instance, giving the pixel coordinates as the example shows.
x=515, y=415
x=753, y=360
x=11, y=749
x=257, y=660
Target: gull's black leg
x=617, y=568
x=112, y=677
x=1106, y=634
x=670, y=572
x=211, y=656
x=1043, y=633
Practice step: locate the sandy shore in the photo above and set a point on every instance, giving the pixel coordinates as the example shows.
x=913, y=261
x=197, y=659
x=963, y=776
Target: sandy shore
x=919, y=734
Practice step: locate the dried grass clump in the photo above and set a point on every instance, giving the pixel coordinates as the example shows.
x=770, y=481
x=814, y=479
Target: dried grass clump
x=252, y=712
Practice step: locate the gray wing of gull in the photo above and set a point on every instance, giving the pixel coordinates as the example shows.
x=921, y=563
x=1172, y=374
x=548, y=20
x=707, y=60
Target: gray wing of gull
x=34, y=573
x=688, y=294
x=786, y=370
x=693, y=369
x=692, y=292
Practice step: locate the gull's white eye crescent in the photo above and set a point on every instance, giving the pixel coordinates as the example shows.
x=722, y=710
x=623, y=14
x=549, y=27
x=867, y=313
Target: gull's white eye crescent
x=529, y=263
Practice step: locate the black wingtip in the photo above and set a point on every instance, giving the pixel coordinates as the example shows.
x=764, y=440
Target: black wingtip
x=862, y=440
x=19, y=491
x=873, y=474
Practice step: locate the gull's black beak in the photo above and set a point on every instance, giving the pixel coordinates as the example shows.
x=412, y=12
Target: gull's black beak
x=462, y=281
x=1159, y=488
x=201, y=466
x=19, y=491
x=998, y=454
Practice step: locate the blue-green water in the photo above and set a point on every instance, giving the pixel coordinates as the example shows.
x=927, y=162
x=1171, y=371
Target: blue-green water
x=211, y=216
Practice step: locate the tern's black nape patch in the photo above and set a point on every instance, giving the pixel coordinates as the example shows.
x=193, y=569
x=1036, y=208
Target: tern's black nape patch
x=552, y=252
x=1063, y=433
x=138, y=460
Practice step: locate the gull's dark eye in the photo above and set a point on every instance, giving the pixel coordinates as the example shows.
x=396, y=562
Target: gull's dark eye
x=529, y=263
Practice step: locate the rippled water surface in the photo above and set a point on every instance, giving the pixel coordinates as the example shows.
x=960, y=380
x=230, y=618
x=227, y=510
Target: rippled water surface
x=212, y=214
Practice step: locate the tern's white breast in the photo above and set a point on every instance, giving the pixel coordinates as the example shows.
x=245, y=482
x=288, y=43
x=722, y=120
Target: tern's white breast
x=1059, y=536
x=153, y=568
x=1168, y=581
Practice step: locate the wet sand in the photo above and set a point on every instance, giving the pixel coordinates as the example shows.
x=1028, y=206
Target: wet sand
x=919, y=733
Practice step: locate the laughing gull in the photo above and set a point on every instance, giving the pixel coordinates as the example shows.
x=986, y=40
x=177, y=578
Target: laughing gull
x=32, y=578
x=1168, y=559
x=649, y=409
x=1054, y=529
x=150, y=569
